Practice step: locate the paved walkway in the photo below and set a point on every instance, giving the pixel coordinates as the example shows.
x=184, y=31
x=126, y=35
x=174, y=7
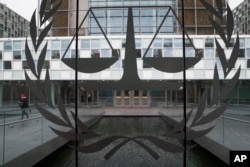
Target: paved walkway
x=19, y=136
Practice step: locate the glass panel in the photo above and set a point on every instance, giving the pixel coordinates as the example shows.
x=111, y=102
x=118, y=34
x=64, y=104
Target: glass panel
x=65, y=44
x=55, y=44
x=17, y=45
x=168, y=52
x=95, y=53
x=7, y=45
x=7, y=65
x=149, y=53
x=16, y=54
x=105, y=53
x=178, y=43
x=95, y=44
x=209, y=53
x=209, y=42
x=157, y=53
x=85, y=44
x=55, y=54
x=168, y=43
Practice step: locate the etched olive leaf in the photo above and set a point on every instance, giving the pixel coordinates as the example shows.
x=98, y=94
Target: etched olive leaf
x=230, y=23
x=33, y=30
x=42, y=10
x=222, y=57
x=227, y=89
x=235, y=54
x=62, y=109
x=35, y=89
x=216, y=86
x=30, y=59
x=47, y=86
x=41, y=60
x=43, y=33
x=220, y=31
x=115, y=149
x=191, y=134
x=83, y=126
x=212, y=9
x=149, y=150
x=201, y=107
x=213, y=115
x=98, y=145
x=220, y=8
x=71, y=135
x=51, y=117
x=51, y=11
x=164, y=145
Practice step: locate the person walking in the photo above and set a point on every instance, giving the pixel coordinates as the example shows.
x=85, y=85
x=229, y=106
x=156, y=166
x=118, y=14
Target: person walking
x=23, y=103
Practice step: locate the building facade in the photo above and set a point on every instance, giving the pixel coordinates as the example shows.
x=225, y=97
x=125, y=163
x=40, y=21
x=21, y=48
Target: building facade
x=13, y=64
x=242, y=18
x=11, y=24
x=147, y=19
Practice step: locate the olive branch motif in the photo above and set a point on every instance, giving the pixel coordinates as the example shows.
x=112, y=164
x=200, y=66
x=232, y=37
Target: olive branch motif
x=42, y=90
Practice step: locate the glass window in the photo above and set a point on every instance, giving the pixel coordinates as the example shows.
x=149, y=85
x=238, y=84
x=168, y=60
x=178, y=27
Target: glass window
x=48, y=54
x=157, y=53
x=199, y=53
x=242, y=53
x=248, y=63
x=231, y=43
x=7, y=45
x=46, y=65
x=242, y=42
x=209, y=53
x=7, y=65
x=248, y=52
x=138, y=53
x=16, y=54
x=25, y=65
x=65, y=44
x=149, y=53
x=178, y=43
x=157, y=43
x=55, y=54
x=1, y=55
x=209, y=42
x=73, y=54
x=17, y=45
x=137, y=43
x=168, y=52
x=85, y=44
x=168, y=43
x=95, y=53
x=95, y=44
x=117, y=64
x=55, y=44
x=105, y=53
x=188, y=43
x=189, y=52
x=116, y=53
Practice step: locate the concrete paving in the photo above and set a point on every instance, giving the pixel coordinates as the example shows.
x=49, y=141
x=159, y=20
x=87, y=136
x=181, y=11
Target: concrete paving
x=20, y=136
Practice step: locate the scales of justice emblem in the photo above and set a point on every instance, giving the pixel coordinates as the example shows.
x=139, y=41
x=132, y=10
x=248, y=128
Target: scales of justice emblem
x=184, y=130
x=130, y=79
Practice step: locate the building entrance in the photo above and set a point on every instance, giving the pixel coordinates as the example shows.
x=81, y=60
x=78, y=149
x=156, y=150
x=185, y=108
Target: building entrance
x=131, y=98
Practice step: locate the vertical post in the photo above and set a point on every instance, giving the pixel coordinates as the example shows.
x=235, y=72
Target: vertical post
x=184, y=85
x=1, y=94
x=76, y=84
